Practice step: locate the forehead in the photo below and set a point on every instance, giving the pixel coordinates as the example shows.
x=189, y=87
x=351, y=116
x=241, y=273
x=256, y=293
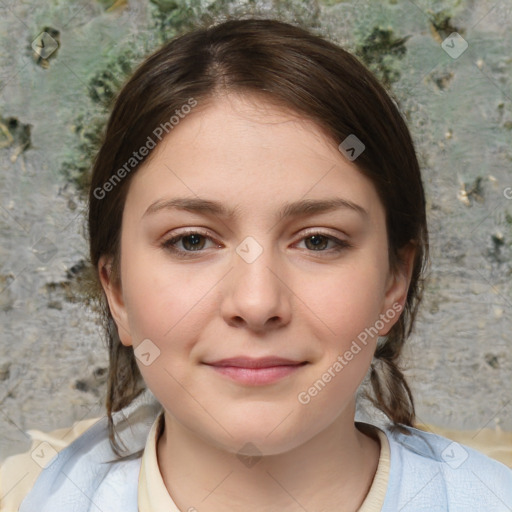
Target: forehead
x=251, y=151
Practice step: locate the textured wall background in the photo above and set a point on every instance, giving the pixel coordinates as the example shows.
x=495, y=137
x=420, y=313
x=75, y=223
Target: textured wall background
x=54, y=91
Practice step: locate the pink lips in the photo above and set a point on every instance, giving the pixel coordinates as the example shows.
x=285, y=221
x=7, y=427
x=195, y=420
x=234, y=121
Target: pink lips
x=256, y=371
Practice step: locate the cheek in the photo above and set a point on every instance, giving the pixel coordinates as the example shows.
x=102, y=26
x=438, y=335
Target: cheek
x=164, y=306
x=347, y=303
x=346, y=300
x=161, y=299
x=348, y=307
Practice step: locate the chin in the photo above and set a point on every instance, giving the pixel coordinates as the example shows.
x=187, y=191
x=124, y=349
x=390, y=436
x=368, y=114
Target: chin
x=261, y=437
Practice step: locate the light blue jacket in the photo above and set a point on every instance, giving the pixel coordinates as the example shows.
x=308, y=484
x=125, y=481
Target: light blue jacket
x=428, y=472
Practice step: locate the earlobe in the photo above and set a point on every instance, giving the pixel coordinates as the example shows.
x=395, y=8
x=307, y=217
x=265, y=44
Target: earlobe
x=115, y=300
x=398, y=287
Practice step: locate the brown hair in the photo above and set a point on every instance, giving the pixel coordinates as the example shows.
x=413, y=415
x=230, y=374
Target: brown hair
x=309, y=75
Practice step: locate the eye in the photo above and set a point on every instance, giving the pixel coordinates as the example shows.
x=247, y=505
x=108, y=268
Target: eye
x=192, y=241
x=318, y=242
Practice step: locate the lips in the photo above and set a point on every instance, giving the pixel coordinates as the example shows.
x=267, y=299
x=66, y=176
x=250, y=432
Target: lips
x=248, y=362
x=247, y=371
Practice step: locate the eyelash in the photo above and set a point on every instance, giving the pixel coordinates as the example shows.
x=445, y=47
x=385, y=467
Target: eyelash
x=340, y=245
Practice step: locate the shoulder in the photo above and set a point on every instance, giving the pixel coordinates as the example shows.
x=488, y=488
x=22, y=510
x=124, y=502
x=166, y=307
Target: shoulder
x=87, y=468
x=19, y=472
x=429, y=470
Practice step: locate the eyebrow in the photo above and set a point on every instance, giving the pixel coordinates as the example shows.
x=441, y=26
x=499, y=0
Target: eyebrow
x=294, y=209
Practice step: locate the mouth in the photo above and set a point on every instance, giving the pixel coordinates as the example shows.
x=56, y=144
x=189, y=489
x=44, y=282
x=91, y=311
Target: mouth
x=255, y=363
x=254, y=372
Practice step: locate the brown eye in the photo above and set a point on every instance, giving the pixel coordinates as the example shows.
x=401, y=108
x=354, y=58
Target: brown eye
x=193, y=242
x=318, y=242
x=184, y=244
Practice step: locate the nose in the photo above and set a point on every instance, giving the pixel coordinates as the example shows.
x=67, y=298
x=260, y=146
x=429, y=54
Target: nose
x=257, y=293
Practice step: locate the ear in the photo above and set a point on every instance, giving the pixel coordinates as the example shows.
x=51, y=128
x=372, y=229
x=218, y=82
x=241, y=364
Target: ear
x=397, y=286
x=115, y=300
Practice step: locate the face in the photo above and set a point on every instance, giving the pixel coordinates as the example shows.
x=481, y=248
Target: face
x=239, y=268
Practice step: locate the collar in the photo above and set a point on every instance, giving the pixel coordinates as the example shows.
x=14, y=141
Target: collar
x=153, y=495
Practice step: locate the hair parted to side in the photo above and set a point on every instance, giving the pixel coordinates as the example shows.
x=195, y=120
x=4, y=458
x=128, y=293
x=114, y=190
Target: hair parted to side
x=292, y=68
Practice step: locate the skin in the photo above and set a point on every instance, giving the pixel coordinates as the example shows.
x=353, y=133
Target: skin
x=294, y=301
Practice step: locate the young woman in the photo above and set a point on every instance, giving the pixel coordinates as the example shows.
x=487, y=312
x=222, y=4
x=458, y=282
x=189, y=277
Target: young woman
x=257, y=222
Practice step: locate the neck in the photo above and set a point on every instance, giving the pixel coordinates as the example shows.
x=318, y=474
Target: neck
x=340, y=465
